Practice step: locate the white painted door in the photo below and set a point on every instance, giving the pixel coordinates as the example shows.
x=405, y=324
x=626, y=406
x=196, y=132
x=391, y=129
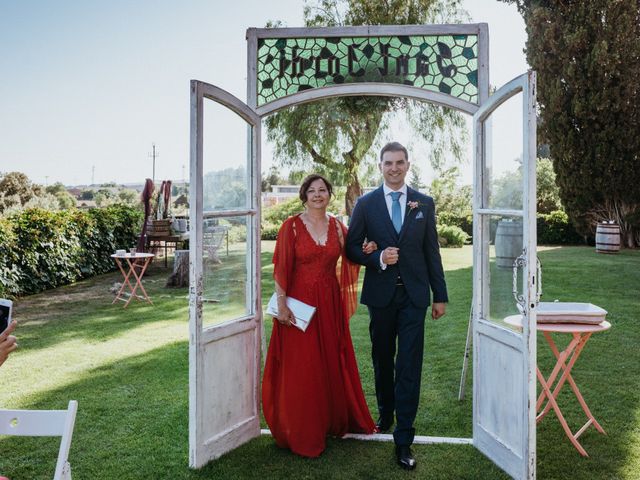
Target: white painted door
x=505, y=277
x=224, y=294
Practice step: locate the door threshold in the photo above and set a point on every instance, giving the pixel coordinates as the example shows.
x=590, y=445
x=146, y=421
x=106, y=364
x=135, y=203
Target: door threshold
x=387, y=437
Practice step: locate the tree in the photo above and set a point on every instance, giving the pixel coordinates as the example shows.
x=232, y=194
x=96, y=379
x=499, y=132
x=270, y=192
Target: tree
x=507, y=188
x=16, y=190
x=415, y=181
x=64, y=198
x=586, y=55
x=271, y=178
x=128, y=197
x=337, y=134
x=451, y=199
x=87, y=195
x=104, y=197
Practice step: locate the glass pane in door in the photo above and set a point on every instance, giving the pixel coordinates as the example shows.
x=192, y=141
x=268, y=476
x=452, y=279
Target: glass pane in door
x=226, y=153
x=503, y=156
x=226, y=271
x=505, y=248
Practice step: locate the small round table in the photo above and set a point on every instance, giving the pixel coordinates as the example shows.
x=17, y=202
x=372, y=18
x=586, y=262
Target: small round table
x=581, y=334
x=133, y=261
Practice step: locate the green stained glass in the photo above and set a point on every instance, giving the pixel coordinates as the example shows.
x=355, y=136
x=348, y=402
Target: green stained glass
x=439, y=63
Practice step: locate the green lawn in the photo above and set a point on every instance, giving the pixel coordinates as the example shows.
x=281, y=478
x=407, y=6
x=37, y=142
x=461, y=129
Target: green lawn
x=128, y=371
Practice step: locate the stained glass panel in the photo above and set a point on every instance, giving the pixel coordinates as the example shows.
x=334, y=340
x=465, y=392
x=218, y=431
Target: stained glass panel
x=440, y=63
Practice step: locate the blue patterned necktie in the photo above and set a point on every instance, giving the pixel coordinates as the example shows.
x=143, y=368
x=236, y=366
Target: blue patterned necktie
x=396, y=212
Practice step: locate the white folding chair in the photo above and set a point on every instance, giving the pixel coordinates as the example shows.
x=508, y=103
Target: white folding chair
x=44, y=423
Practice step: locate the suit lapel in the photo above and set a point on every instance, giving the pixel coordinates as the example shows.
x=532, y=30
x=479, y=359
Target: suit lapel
x=408, y=214
x=381, y=206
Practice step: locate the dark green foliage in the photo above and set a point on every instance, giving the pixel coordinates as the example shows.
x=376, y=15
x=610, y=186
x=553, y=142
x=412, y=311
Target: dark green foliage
x=451, y=236
x=41, y=249
x=555, y=229
x=269, y=231
x=9, y=273
x=464, y=222
x=279, y=213
x=587, y=56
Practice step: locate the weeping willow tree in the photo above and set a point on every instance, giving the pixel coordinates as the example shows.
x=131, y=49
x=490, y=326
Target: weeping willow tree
x=587, y=57
x=338, y=136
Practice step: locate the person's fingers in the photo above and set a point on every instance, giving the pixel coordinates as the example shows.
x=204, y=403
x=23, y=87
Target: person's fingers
x=8, y=330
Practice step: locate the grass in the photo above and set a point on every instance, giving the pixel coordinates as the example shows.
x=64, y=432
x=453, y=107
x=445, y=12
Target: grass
x=128, y=369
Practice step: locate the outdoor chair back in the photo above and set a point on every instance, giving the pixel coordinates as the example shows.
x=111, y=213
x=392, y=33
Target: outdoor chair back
x=44, y=423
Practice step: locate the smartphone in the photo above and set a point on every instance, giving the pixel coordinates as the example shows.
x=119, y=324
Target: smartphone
x=5, y=313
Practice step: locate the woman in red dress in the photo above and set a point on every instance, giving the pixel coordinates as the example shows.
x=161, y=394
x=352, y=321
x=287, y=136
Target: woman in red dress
x=311, y=385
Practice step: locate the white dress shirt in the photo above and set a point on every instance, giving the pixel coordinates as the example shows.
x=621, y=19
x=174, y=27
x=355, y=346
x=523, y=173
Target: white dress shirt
x=403, y=207
x=402, y=199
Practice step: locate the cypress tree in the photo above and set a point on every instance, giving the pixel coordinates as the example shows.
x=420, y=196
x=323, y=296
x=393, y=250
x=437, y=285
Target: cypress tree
x=587, y=57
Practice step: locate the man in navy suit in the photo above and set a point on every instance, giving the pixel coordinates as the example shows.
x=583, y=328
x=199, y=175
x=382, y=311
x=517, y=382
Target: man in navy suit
x=397, y=283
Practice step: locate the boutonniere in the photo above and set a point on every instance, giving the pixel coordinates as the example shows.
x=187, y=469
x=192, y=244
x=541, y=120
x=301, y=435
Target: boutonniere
x=412, y=205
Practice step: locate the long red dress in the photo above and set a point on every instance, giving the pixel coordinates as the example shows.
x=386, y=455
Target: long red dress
x=311, y=385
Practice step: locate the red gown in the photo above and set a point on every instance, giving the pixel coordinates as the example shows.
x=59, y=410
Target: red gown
x=311, y=385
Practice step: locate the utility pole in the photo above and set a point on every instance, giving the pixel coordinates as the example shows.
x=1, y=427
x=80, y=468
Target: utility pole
x=154, y=155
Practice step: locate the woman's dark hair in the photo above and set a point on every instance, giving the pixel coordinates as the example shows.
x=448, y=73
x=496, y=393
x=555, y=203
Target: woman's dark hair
x=306, y=183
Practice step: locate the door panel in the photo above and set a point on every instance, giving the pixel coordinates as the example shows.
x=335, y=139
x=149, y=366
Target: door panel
x=503, y=282
x=224, y=318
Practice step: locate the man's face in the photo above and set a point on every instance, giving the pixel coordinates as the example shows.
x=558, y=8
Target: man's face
x=394, y=167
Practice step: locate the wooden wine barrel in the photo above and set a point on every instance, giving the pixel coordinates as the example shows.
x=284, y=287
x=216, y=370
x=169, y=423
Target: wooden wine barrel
x=508, y=243
x=607, y=238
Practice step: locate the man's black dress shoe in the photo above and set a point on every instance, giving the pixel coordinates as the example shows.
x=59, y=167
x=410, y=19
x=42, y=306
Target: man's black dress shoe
x=404, y=457
x=383, y=425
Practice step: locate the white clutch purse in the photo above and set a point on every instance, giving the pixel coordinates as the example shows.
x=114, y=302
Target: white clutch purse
x=302, y=311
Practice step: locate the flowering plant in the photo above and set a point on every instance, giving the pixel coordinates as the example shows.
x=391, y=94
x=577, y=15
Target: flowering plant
x=413, y=205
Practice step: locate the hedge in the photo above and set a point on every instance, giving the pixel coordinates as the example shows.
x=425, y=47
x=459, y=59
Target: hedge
x=553, y=228
x=42, y=249
x=556, y=229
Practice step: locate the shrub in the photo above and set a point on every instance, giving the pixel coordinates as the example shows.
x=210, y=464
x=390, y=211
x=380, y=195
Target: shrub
x=279, y=213
x=555, y=229
x=464, y=222
x=451, y=236
x=237, y=234
x=9, y=273
x=41, y=249
x=269, y=231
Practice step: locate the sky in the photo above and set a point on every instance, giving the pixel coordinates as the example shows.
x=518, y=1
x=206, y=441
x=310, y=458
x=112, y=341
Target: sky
x=86, y=87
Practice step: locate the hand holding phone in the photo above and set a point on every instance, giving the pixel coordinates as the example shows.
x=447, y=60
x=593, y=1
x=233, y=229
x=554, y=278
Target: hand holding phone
x=5, y=313
x=8, y=342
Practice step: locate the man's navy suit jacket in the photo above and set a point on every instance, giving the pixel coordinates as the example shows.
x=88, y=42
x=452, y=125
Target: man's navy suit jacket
x=419, y=265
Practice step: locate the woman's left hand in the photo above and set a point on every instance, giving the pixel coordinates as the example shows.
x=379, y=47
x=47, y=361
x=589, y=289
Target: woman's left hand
x=369, y=247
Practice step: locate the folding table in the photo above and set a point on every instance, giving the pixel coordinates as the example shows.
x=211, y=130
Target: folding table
x=565, y=361
x=132, y=261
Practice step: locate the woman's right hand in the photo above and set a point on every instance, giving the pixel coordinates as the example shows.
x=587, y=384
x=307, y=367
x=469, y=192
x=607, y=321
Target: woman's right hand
x=285, y=315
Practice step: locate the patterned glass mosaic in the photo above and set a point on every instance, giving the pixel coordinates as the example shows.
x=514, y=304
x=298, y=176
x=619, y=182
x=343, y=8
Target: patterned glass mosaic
x=439, y=63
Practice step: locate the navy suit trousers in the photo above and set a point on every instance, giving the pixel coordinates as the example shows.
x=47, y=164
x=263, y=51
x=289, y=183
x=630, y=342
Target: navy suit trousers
x=398, y=389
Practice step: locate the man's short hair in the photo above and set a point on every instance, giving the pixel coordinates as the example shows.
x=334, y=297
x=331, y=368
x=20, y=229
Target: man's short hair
x=394, y=147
